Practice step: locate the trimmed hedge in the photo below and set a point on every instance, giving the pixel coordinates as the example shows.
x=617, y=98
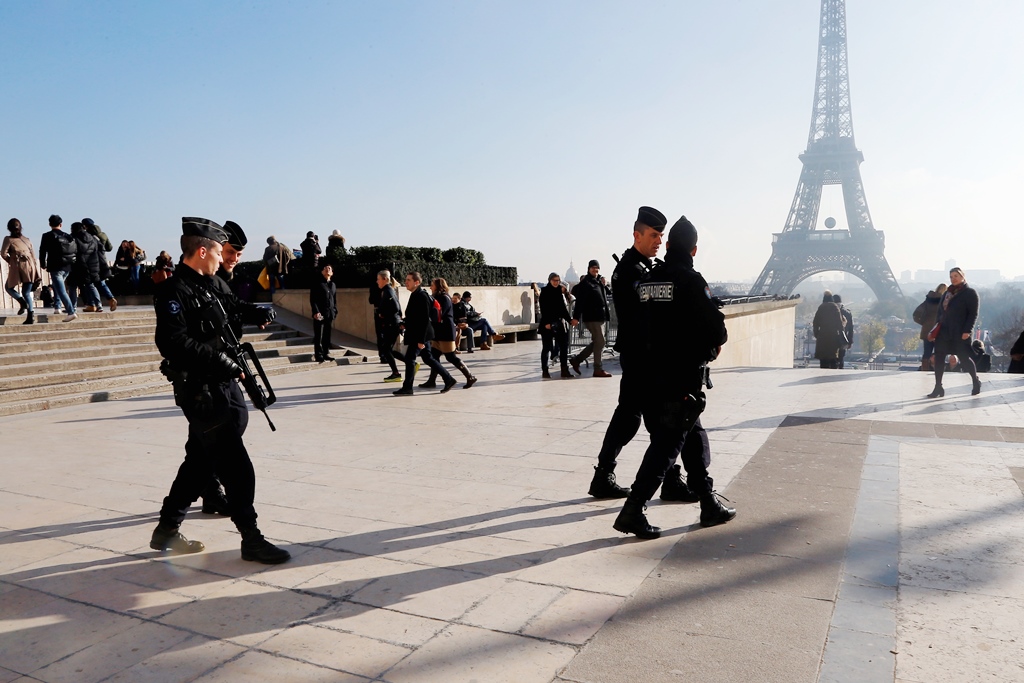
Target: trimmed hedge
x=351, y=274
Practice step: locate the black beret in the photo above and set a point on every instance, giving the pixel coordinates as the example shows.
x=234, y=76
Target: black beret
x=236, y=237
x=202, y=227
x=652, y=218
x=682, y=236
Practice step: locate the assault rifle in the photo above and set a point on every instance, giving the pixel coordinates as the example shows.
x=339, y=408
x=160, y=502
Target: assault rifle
x=261, y=395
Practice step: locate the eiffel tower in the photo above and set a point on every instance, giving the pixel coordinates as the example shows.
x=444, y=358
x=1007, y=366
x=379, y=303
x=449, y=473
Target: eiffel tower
x=831, y=158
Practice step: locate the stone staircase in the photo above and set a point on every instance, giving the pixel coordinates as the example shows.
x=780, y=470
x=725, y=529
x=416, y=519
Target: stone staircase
x=106, y=356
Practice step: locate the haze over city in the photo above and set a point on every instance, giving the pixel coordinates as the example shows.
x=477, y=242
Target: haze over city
x=529, y=131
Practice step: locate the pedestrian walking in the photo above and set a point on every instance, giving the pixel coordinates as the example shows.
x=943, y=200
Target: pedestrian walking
x=925, y=315
x=58, y=251
x=419, y=332
x=591, y=294
x=958, y=313
x=23, y=271
x=554, y=324
x=443, y=343
x=829, y=332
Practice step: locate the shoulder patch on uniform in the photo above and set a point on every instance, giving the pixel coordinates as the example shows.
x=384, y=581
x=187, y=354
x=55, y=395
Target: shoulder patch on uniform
x=173, y=307
x=707, y=291
x=656, y=291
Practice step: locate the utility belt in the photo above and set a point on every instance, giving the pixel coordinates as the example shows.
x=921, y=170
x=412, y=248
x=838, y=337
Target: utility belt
x=189, y=391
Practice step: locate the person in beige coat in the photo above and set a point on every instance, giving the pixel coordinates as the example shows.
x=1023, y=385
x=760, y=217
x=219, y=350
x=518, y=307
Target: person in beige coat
x=24, y=269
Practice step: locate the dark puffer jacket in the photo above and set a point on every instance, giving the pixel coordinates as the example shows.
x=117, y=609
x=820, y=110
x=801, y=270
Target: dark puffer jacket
x=87, y=268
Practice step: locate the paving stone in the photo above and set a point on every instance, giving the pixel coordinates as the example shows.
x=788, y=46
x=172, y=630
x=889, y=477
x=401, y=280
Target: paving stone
x=336, y=650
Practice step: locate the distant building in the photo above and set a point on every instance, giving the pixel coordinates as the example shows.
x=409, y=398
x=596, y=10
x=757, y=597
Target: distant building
x=931, y=277
x=950, y=264
x=571, y=278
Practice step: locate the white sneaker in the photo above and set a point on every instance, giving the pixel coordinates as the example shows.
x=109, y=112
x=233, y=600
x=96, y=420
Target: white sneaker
x=71, y=317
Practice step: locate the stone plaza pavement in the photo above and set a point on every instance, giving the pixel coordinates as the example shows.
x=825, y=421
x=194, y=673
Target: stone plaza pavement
x=449, y=538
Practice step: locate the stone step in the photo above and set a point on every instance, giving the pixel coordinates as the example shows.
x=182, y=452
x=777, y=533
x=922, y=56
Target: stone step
x=11, y=323
x=39, y=398
x=52, y=362
x=121, y=336
x=15, y=355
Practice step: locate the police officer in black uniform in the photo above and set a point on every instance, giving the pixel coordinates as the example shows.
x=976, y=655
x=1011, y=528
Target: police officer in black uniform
x=683, y=330
x=632, y=267
x=190, y=321
x=214, y=500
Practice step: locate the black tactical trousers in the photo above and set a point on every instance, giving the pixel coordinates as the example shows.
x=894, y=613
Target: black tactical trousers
x=667, y=442
x=625, y=421
x=215, y=447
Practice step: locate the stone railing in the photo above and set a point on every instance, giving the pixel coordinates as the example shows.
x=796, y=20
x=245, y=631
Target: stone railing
x=760, y=335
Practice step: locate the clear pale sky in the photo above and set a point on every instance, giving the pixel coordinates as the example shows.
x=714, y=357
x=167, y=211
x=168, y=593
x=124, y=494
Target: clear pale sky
x=528, y=130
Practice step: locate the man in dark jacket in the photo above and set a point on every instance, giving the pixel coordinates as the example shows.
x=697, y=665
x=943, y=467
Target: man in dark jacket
x=418, y=334
x=189, y=335
x=58, y=251
x=85, y=273
x=683, y=330
x=592, y=309
x=323, y=295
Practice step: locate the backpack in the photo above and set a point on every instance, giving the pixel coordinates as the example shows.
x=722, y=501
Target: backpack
x=272, y=261
x=68, y=248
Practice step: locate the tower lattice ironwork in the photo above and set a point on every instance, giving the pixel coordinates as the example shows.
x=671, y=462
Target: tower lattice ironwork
x=831, y=158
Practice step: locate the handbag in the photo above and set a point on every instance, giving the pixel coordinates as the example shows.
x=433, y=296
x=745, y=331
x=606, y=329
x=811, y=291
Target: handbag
x=933, y=335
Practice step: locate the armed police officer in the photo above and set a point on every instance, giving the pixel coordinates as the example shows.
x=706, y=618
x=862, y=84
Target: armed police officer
x=682, y=331
x=214, y=500
x=632, y=267
x=190, y=322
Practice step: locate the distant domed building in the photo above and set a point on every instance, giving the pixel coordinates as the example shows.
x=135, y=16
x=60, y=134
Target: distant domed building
x=571, y=277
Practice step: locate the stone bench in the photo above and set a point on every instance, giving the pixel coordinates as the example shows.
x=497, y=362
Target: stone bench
x=512, y=332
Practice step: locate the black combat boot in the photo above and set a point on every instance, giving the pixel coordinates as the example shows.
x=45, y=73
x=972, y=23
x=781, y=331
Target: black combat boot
x=632, y=520
x=712, y=512
x=603, y=484
x=167, y=539
x=675, y=490
x=255, y=548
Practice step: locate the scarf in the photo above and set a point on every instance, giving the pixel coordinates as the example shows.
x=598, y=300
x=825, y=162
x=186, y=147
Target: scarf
x=951, y=292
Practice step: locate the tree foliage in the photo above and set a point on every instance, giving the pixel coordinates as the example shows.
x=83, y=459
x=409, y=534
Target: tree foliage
x=872, y=336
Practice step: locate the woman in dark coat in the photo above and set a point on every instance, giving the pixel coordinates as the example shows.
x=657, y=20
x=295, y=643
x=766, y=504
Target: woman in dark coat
x=554, y=324
x=443, y=342
x=925, y=315
x=828, y=325
x=387, y=318
x=958, y=313
x=86, y=269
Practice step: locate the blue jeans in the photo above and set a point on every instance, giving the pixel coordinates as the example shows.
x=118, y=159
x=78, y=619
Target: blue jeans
x=135, y=276
x=89, y=293
x=25, y=298
x=484, y=328
x=57, y=278
x=104, y=289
